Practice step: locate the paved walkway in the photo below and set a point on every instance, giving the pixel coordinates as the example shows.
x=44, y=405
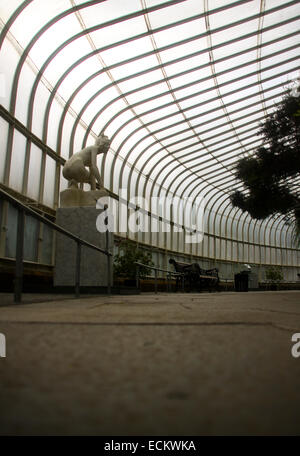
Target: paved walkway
x=176, y=364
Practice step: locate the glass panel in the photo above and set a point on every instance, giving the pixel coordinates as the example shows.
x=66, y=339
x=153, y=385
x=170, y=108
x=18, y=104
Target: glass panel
x=9, y=58
x=128, y=69
x=79, y=135
x=186, y=141
x=34, y=172
x=137, y=81
x=17, y=162
x=52, y=39
x=31, y=234
x=23, y=94
x=3, y=143
x=38, y=112
x=65, y=142
x=53, y=124
x=108, y=11
x=8, y=8
x=89, y=82
x=11, y=232
x=36, y=18
x=48, y=199
x=127, y=51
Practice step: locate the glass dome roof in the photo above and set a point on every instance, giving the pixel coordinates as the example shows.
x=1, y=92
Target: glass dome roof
x=180, y=87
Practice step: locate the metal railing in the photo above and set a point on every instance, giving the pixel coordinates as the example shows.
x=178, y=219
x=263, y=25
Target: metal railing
x=169, y=275
x=22, y=210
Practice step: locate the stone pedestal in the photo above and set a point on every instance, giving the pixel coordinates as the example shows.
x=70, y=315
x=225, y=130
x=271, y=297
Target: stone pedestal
x=81, y=221
x=75, y=197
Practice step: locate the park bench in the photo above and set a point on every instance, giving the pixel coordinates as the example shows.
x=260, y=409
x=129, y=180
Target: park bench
x=196, y=277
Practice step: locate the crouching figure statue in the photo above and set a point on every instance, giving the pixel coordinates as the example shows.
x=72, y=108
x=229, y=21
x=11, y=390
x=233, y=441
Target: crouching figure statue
x=75, y=169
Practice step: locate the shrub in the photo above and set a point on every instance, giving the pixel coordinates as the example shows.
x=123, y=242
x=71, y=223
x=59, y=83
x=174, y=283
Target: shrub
x=124, y=261
x=274, y=274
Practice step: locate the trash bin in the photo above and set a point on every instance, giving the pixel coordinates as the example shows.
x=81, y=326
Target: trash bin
x=241, y=281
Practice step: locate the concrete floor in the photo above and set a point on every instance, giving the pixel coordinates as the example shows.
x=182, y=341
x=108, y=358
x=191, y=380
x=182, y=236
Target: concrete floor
x=176, y=364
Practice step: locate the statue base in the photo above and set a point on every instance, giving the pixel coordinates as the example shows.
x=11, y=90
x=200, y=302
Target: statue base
x=81, y=221
x=75, y=197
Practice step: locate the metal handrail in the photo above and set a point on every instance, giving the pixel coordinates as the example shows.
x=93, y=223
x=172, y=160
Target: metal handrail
x=169, y=274
x=159, y=269
x=22, y=209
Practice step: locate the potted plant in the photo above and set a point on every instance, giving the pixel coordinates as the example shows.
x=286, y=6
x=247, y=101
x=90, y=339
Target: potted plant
x=124, y=262
x=274, y=276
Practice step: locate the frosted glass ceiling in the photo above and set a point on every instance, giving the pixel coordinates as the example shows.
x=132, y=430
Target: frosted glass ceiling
x=180, y=86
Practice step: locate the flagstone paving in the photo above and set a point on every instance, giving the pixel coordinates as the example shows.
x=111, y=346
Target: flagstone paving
x=166, y=364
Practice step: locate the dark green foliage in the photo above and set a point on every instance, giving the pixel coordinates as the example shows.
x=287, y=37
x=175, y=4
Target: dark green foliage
x=124, y=261
x=274, y=274
x=268, y=175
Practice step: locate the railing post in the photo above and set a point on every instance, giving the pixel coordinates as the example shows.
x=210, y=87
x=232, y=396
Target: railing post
x=155, y=283
x=19, y=256
x=77, y=273
x=108, y=264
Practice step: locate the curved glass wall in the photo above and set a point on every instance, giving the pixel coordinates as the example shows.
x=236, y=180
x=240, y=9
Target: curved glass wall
x=180, y=86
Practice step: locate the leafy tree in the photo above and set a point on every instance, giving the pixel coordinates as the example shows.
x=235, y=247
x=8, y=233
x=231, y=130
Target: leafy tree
x=124, y=261
x=268, y=176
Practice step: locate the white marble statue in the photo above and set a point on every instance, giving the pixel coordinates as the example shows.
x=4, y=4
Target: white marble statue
x=75, y=169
